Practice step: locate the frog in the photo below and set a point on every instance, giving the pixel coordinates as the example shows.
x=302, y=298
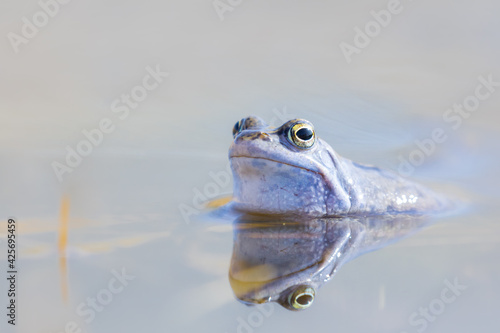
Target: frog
x=287, y=260
x=290, y=170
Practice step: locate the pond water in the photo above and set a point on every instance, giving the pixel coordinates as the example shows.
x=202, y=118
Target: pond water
x=107, y=160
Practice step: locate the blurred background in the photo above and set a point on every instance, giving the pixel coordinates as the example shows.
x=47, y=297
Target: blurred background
x=116, y=117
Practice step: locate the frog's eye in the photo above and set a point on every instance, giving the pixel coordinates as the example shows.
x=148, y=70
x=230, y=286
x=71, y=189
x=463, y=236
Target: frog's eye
x=238, y=127
x=301, y=298
x=302, y=135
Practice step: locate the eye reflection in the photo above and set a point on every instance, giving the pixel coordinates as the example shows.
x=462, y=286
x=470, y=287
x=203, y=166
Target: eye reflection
x=301, y=298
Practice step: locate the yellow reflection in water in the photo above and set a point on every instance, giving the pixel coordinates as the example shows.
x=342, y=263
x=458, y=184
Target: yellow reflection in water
x=216, y=203
x=62, y=244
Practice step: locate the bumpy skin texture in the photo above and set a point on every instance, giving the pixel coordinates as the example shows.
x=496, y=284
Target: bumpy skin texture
x=274, y=176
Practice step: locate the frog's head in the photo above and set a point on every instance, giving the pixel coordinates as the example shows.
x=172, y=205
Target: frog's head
x=285, y=170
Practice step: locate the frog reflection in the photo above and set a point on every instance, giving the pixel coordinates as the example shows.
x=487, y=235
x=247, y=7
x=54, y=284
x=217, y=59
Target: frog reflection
x=287, y=261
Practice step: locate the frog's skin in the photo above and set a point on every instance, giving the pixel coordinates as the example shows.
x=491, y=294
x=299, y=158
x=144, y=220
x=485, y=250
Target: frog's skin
x=273, y=258
x=272, y=175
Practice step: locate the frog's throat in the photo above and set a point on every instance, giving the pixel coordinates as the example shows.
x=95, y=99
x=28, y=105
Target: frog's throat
x=335, y=186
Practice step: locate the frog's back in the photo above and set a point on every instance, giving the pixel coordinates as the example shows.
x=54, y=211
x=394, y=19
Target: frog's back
x=378, y=191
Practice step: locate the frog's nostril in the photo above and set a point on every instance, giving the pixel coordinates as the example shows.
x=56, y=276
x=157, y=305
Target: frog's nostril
x=265, y=137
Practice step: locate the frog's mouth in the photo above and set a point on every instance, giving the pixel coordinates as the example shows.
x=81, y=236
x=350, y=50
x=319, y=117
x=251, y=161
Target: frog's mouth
x=273, y=160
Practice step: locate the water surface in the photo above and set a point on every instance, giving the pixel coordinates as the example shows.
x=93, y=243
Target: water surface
x=127, y=199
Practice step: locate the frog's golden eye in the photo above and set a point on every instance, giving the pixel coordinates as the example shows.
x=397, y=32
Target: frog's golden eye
x=302, y=135
x=238, y=127
x=301, y=298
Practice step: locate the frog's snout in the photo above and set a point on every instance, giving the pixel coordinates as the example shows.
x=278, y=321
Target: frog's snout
x=252, y=135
